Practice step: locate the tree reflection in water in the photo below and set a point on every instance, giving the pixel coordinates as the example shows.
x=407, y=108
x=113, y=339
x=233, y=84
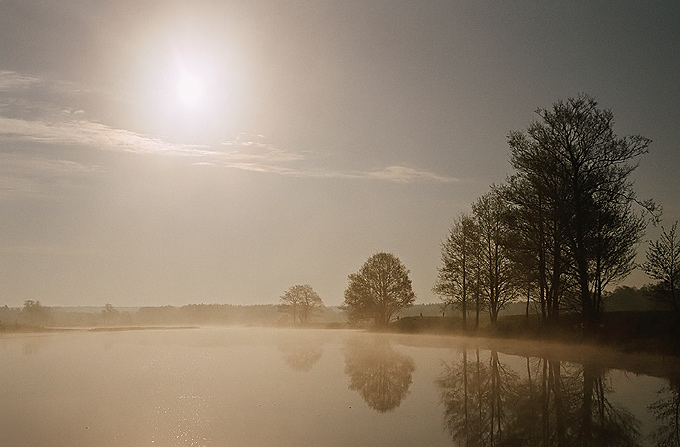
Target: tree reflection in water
x=667, y=413
x=301, y=355
x=381, y=375
x=552, y=403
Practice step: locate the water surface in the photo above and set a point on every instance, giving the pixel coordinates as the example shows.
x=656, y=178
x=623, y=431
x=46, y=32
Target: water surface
x=279, y=387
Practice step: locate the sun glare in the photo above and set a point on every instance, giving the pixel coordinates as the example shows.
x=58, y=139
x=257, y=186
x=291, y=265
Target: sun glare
x=190, y=89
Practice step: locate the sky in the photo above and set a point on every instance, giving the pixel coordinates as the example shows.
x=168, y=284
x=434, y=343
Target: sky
x=177, y=152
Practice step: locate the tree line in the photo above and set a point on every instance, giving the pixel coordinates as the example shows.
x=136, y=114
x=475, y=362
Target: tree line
x=563, y=227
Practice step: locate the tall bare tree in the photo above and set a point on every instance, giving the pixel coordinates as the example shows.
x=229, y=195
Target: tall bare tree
x=499, y=279
x=456, y=277
x=574, y=158
x=663, y=265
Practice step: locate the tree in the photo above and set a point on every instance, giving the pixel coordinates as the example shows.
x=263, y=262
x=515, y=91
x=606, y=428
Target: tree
x=110, y=314
x=617, y=231
x=456, y=277
x=663, y=265
x=539, y=246
x=35, y=313
x=499, y=277
x=301, y=301
x=378, y=290
x=575, y=160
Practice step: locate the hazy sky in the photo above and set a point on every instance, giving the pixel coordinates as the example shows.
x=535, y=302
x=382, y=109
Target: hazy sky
x=175, y=152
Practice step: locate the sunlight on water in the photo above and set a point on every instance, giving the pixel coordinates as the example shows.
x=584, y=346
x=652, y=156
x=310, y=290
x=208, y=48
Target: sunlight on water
x=254, y=387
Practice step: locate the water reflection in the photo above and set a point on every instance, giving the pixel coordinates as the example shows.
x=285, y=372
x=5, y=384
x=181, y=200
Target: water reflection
x=381, y=375
x=301, y=355
x=32, y=345
x=666, y=410
x=486, y=403
x=241, y=386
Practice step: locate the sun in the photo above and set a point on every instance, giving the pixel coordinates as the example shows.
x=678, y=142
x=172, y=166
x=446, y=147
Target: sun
x=190, y=89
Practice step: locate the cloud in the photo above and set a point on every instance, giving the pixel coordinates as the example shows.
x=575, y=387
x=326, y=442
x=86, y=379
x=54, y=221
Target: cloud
x=11, y=81
x=403, y=174
x=23, y=120
x=246, y=154
x=255, y=153
x=22, y=176
x=257, y=147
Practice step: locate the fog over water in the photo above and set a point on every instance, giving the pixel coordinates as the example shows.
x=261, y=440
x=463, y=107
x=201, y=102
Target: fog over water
x=285, y=387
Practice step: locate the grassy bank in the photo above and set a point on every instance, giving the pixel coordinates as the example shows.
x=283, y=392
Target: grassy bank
x=652, y=331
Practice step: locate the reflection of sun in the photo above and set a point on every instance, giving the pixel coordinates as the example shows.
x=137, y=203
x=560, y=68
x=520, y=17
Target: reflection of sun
x=190, y=89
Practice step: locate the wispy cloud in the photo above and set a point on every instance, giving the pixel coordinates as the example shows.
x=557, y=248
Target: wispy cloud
x=11, y=81
x=52, y=125
x=404, y=174
x=22, y=176
x=89, y=134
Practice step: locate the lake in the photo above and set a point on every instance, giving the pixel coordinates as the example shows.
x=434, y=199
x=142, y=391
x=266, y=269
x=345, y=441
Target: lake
x=286, y=387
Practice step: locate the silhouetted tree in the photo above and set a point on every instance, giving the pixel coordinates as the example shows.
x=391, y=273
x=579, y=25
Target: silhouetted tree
x=616, y=233
x=663, y=265
x=378, y=290
x=539, y=242
x=499, y=278
x=301, y=301
x=573, y=157
x=460, y=254
x=379, y=373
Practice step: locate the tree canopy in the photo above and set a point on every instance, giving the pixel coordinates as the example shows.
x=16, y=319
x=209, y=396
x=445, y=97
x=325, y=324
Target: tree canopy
x=378, y=290
x=564, y=226
x=301, y=302
x=578, y=170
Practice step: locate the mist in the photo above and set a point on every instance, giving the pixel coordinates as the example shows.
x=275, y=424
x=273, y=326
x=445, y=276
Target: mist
x=285, y=386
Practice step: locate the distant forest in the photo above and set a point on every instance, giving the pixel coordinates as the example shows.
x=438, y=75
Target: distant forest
x=35, y=314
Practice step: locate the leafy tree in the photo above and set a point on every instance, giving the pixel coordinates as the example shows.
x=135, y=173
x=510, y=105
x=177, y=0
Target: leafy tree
x=378, y=290
x=456, y=277
x=301, y=301
x=663, y=265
